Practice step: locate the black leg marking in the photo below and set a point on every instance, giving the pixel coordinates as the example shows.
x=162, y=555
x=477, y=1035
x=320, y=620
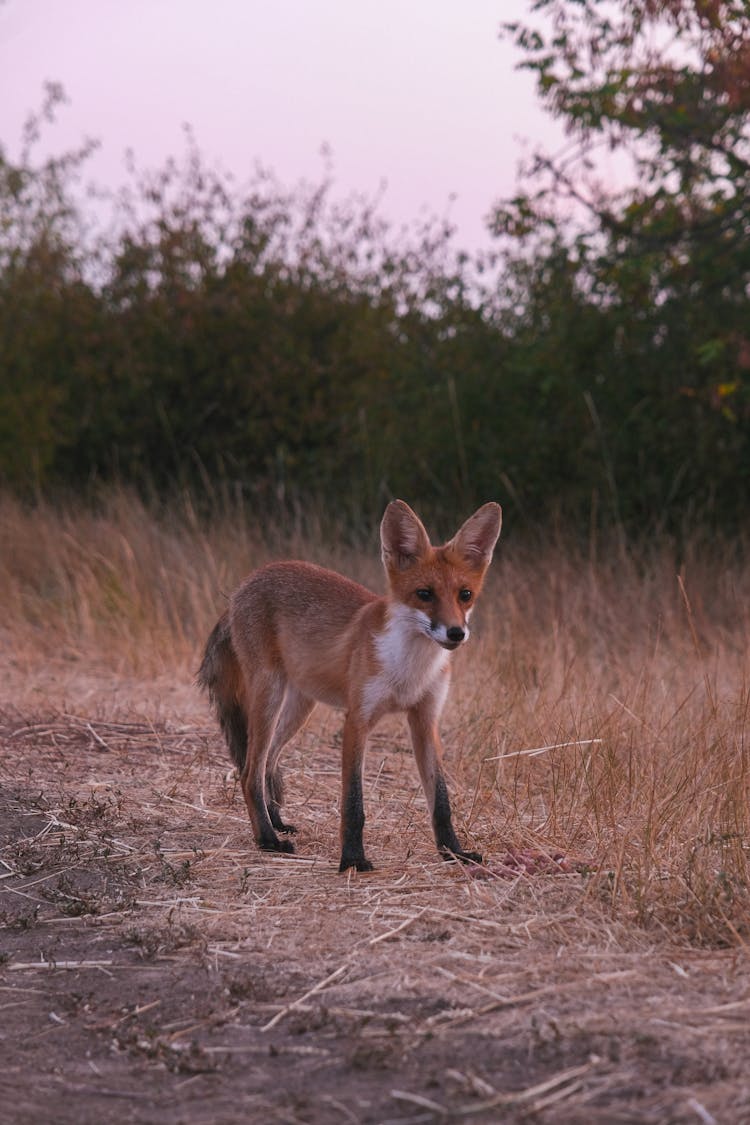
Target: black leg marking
x=275, y=791
x=278, y=823
x=268, y=844
x=266, y=839
x=352, y=847
x=447, y=840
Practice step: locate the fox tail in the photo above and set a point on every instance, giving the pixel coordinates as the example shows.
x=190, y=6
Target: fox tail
x=220, y=675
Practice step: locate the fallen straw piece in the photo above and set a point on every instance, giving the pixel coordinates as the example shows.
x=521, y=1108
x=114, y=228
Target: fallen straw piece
x=543, y=749
x=306, y=996
x=15, y=966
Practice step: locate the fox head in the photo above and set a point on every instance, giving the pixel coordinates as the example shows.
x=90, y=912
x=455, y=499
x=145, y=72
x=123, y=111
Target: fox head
x=438, y=585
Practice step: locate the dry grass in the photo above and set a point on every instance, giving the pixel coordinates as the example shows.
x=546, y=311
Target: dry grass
x=600, y=711
x=636, y=672
x=155, y=957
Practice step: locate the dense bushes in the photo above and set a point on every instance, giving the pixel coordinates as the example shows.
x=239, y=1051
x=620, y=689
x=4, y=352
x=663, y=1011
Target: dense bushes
x=293, y=345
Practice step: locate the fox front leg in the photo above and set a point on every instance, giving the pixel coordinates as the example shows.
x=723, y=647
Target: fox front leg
x=428, y=753
x=352, y=803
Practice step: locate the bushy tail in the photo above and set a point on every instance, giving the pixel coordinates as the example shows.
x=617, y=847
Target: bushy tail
x=220, y=675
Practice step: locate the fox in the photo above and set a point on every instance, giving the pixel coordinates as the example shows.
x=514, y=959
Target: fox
x=296, y=634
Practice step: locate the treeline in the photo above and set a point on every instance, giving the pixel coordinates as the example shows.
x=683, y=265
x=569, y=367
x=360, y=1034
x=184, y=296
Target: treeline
x=290, y=345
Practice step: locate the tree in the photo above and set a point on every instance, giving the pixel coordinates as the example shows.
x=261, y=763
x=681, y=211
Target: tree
x=46, y=306
x=665, y=83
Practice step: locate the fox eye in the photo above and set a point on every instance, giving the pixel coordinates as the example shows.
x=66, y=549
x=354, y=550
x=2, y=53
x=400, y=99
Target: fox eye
x=464, y=595
x=425, y=594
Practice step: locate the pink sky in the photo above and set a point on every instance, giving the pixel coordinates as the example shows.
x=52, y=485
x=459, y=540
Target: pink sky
x=419, y=93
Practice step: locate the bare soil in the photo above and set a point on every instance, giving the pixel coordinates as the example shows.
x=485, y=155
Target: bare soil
x=156, y=968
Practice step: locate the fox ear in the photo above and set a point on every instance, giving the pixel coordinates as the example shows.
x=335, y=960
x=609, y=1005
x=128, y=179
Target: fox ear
x=475, y=540
x=403, y=538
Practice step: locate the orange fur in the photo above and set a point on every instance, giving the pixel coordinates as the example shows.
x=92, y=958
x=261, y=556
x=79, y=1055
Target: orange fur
x=296, y=634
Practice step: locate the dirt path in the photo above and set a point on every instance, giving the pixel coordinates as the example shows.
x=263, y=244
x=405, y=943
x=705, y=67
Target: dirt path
x=156, y=968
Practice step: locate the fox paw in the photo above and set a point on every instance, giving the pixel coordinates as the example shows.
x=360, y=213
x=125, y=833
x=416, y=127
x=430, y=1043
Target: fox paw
x=360, y=864
x=450, y=856
x=276, y=846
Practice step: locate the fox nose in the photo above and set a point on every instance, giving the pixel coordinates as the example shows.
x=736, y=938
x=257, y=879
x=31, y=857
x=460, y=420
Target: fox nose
x=455, y=634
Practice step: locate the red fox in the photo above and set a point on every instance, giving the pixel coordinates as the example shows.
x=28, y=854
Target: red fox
x=295, y=634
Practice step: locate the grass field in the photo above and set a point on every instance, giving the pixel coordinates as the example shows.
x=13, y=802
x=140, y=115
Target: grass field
x=156, y=966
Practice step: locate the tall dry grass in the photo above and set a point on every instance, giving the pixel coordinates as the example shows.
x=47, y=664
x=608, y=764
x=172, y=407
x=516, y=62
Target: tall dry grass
x=135, y=590
x=632, y=669
x=601, y=708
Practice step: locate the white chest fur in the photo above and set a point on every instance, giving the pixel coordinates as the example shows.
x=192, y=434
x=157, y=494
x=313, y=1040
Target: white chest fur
x=412, y=664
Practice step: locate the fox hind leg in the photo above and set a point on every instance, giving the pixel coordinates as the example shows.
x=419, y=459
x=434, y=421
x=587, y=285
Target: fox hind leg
x=265, y=693
x=295, y=711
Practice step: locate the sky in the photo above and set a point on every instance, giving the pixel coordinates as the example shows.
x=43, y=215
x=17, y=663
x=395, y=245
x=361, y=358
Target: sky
x=420, y=94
